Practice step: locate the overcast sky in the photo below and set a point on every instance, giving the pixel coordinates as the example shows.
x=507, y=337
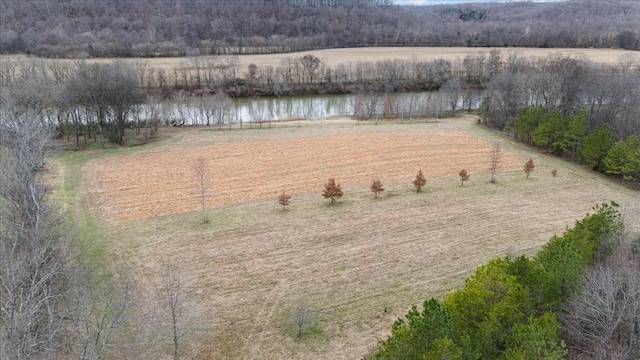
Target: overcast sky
x=436, y=2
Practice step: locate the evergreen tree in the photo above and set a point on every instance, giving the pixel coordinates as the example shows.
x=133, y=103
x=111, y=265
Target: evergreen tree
x=418, y=333
x=596, y=145
x=575, y=134
x=539, y=339
x=527, y=122
x=550, y=130
x=620, y=158
x=488, y=306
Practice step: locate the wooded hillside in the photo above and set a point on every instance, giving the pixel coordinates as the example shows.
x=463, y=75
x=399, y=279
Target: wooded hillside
x=177, y=28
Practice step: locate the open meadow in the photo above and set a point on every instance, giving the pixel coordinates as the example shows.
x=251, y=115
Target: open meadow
x=334, y=57
x=359, y=264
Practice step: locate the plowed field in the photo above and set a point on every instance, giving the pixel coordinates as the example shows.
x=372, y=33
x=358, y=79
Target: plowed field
x=253, y=264
x=162, y=181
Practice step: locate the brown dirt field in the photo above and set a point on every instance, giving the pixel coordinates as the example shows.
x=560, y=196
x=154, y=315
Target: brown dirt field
x=333, y=57
x=162, y=181
x=253, y=264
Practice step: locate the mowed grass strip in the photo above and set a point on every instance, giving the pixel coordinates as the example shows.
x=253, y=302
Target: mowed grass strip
x=253, y=264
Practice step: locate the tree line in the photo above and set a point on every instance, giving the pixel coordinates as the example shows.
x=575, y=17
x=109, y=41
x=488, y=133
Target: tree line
x=79, y=29
x=559, y=134
x=60, y=297
x=571, y=108
x=579, y=296
x=84, y=99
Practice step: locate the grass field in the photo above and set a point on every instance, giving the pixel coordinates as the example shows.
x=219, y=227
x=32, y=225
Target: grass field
x=253, y=264
x=333, y=57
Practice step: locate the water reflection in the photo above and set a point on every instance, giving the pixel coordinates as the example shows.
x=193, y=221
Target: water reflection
x=323, y=106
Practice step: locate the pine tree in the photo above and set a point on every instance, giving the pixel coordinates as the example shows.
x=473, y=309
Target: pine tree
x=596, y=145
x=527, y=122
x=620, y=158
x=575, y=134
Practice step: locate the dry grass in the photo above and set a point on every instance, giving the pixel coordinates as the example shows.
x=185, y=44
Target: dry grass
x=253, y=264
x=333, y=57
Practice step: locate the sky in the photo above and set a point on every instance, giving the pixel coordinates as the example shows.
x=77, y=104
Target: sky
x=439, y=2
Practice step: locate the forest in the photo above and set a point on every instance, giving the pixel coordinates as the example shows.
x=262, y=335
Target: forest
x=543, y=307
x=160, y=28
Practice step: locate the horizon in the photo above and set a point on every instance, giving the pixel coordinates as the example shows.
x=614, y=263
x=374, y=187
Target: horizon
x=457, y=2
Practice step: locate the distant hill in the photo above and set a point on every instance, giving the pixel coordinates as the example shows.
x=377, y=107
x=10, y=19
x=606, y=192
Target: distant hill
x=83, y=28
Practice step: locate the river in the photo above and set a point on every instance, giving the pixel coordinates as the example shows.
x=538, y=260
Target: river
x=402, y=105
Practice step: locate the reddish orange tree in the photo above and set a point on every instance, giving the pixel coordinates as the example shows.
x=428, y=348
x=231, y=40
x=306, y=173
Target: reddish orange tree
x=283, y=200
x=419, y=181
x=332, y=190
x=464, y=176
x=528, y=167
x=376, y=187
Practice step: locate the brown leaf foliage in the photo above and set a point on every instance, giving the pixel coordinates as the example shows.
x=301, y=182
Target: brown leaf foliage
x=528, y=167
x=283, y=200
x=464, y=176
x=419, y=181
x=332, y=190
x=376, y=187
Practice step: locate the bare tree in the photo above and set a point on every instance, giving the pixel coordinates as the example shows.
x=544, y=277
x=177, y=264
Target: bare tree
x=464, y=176
x=97, y=310
x=332, y=190
x=528, y=167
x=452, y=89
x=221, y=107
x=494, y=160
x=172, y=287
x=33, y=240
x=603, y=321
x=201, y=170
x=111, y=90
x=302, y=318
x=310, y=65
x=376, y=187
x=140, y=68
x=283, y=200
x=419, y=181
x=628, y=61
x=232, y=65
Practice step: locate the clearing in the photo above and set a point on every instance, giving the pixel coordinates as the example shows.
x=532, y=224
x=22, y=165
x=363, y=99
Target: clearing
x=253, y=264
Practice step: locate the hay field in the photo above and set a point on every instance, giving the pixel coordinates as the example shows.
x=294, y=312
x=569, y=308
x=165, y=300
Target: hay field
x=333, y=57
x=253, y=264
